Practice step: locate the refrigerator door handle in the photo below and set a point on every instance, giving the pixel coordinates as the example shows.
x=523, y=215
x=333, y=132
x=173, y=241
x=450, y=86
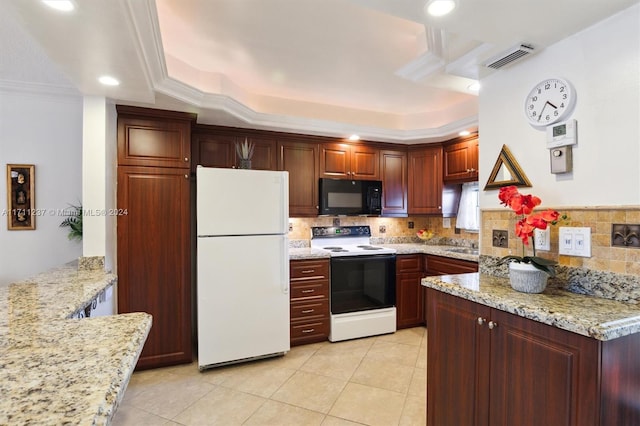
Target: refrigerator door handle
x=285, y=265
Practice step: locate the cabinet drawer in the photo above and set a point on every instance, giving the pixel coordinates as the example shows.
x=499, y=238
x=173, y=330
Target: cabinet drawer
x=438, y=265
x=408, y=263
x=310, y=330
x=315, y=289
x=309, y=269
x=311, y=309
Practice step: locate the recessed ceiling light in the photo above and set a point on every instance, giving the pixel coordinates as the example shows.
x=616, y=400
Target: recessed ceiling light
x=439, y=7
x=108, y=80
x=354, y=137
x=464, y=133
x=62, y=5
x=474, y=87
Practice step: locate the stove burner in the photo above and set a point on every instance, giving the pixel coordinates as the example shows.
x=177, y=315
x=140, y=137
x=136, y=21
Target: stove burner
x=368, y=247
x=332, y=248
x=338, y=249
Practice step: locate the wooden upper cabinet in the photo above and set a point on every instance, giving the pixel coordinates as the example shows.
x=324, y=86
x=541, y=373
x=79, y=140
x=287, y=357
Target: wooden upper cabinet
x=343, y=161
x=148, y=137
x=393, y=173
x=461, y=160
x=425, y=180
x=300, y=159
x=218, y=149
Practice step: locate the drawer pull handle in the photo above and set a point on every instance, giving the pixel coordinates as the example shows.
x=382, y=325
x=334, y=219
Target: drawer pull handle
x=308, y=311
x=311, y=330
x=308, y=291
x=308, y=271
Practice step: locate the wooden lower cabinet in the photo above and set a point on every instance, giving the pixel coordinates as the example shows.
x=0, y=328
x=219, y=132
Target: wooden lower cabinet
x=409, y=291
x=154, y=259
x=309, y=291
x=489, y=367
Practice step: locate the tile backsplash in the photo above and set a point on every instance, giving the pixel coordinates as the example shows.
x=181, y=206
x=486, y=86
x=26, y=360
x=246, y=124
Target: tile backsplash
x=300, y=228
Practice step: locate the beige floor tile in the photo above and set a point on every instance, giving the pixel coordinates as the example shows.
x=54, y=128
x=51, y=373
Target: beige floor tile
x=297, y=356
x=369, y=405
x=408, y=336
x=421, y=362
x=414, y=412
x=337, y=421
x=418, y=386
x=339, y=365
x=385, y=375
x=398, y=353
x=353, y=347
x=261, y=379
x=221, y=406
x=311, y=391
x=169, y=395
x=278, y=413
x=128, y=415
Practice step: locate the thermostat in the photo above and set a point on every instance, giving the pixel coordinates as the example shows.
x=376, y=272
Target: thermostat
x=562, y=134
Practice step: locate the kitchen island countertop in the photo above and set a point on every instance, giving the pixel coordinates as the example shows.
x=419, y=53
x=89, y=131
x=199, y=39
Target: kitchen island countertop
x=594, y=317
x=58, y=370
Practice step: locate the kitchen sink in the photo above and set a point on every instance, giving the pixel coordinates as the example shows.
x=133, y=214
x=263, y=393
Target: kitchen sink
x=464, y=250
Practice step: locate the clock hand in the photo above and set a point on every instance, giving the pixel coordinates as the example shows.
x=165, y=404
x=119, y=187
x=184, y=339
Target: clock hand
x=555, y=107
x=542, y=110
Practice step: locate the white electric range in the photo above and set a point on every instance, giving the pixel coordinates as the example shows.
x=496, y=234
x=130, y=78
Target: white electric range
x=362, y=296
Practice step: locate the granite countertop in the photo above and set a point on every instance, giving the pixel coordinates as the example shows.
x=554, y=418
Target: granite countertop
x=409, y=248
x=599, y=318
x=58, y=370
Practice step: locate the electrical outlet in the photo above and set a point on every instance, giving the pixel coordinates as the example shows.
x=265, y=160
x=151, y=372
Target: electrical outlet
x=411, y=225
x=290, y=226
x=382, y=229
x=575, y=241
x=542, y=239
x=500, y=238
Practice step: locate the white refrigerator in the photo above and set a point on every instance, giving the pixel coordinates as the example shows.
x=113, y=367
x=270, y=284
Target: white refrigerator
x=243, y=265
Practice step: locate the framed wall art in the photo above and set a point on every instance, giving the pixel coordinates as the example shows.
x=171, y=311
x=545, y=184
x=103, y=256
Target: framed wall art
x=21, y=213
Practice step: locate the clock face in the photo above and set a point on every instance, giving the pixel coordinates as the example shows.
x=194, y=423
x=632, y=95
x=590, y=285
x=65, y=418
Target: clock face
x=550, y=101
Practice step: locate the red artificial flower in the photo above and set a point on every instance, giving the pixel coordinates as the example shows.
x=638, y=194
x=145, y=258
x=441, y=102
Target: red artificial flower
x=523, y=205
x=506, y=193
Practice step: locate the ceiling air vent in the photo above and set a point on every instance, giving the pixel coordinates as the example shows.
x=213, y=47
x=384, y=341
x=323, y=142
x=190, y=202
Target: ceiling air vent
x=509, y=56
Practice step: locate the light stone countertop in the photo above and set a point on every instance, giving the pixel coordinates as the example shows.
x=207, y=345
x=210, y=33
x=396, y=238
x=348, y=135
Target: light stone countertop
x=58, y=370
x=437, y=250
x=595, y=317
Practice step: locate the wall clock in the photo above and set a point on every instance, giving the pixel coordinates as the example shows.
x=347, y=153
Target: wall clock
x=549, y=101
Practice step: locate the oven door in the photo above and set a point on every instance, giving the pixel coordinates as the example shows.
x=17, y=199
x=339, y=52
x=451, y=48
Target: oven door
x=362, y=283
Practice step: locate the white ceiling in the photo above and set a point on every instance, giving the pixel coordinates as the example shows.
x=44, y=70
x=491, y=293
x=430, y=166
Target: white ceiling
x=380, y=68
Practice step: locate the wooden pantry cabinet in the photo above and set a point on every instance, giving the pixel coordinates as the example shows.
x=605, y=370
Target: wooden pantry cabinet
x=344, y=161
x=425, y=180
x=309, y=292
x=153, y=238
x=393, y=173
x=461, y=160
x=490, y=367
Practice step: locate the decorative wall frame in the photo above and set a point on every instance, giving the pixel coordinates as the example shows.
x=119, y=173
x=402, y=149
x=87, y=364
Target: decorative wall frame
x=21, y=212
x=506, y=172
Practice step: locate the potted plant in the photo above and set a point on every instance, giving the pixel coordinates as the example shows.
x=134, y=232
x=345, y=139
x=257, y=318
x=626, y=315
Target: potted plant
x=244, y=150
x=528, y=273
x=74, y=222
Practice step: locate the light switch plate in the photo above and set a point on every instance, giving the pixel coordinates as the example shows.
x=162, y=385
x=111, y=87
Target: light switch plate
x=575, y=241
x=542, y=239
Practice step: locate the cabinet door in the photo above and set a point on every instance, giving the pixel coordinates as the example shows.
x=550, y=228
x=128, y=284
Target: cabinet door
x=409, y=300
x=365, y=162
x=301, y=161
x=335, y=161
x=154, y=259
x=461, y=160
x=425, y=181
x=541, y=375
x=393, y=171
x=264, y=154
x=457, y=361
x=214, y=150
x=161, y=139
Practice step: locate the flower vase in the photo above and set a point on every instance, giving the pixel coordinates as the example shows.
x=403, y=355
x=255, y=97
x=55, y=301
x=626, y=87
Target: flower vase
x=245, y=163
x=526, y=278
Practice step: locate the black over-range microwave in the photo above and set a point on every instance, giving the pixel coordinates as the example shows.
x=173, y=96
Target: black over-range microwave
x=350, y=197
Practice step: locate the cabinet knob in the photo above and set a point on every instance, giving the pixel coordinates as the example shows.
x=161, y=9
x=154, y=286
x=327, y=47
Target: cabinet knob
x=481, y=320
x=186, y=158
x=492, y=325
x=186, y=176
